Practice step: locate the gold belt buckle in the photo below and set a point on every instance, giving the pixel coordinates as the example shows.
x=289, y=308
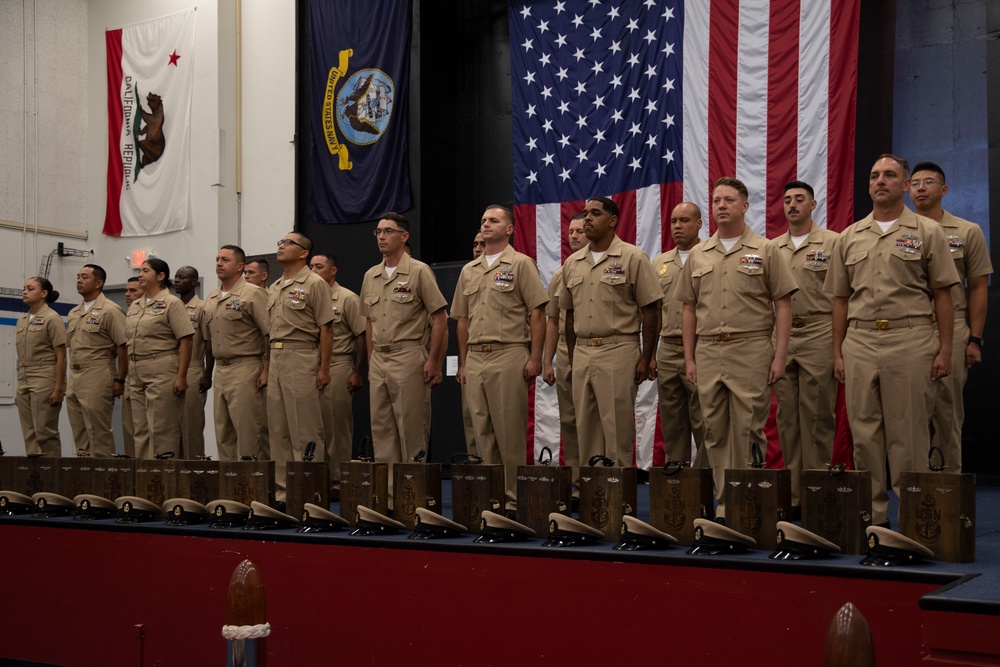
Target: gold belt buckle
x=881, y=325
x=487, y=347
x=798, y=321
x=724, y=337
x=385, y=348
x=278, y=345
x=596, y=342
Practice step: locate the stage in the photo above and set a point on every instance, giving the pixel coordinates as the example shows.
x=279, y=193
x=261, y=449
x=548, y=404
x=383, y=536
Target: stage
x=98, y=593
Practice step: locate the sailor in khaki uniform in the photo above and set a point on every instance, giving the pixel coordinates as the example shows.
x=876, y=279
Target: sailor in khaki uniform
x=95, y=338
x=555, y=347
x=680, y=410
x=735, y=289
x=40, y=340
x=500, y=308
x=256, y=273
x=478, y=245
x=348, y=367
x=397, y=295
x=236, y=327
x=807, y=394
x=967, y=244
x=133, y=290
x=890, y=276
x=158, y=333
x=301, y=336
x=610, y=291
x=199, y=372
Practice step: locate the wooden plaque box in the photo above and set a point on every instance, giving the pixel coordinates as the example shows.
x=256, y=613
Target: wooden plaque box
x=363, y=483
x=74, y=476
x=31, y=475
x=938, y=510
x=476, y=487
x=756, y=500
x=156, y=480
x=306, y=482
x=678, y=496
x=607, y=493
x=246, y=481
x=415, y=485
x=113, y=478
x=838, y=507
x=198, y=480
x=7, y=467
x=541, y=490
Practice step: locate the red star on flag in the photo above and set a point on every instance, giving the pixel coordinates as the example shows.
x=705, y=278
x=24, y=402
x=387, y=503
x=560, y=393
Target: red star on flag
x=174, y=58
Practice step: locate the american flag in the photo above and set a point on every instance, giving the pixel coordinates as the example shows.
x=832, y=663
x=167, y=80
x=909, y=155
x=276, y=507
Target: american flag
x=650, y=101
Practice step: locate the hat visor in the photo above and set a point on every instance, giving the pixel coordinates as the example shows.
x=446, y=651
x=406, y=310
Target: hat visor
x=499, y=538
x=712, y=550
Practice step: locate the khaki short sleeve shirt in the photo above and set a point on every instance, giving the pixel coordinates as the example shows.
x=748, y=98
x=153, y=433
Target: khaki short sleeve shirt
x=347, y=321
x=967, y=244
x=94, y=335
x=398, y=305
x=299, y=309
x=809, y=263
x=155, y=326
x=37, y=336
x=734, y=291
x=237, y=324
x=891, y=275
x=668, y=267
x=498, y=300
x=607, y=297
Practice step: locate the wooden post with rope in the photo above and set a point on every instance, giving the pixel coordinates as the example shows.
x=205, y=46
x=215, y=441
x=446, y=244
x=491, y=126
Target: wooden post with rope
x=246, y=618
x=849, y=640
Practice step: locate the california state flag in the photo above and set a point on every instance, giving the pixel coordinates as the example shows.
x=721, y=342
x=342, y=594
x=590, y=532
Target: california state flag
x=150, y=79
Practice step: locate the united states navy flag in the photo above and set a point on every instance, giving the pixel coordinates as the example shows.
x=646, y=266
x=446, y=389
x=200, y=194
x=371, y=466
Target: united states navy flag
x=359, y=56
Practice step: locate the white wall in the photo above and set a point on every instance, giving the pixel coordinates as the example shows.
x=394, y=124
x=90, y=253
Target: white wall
x=268, y=155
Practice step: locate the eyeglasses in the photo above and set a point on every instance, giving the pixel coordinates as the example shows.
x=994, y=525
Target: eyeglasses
x=283, y=242
x=927, y=182
x=386, y=231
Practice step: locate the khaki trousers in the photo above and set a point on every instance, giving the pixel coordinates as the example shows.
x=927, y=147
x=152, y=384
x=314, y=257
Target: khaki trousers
x=604, y=392
x=680, y=409
x=265, y=433
x=735, y=401
x=949, y=402
x=400, y=405
x=239, y=407
x=338, y=416
x=470, y=434
x=293, y=410
x=807, y=402
x=90, y=403
x=128, y=423
x=193, y=416
x=156, y=412
x=890, y=398
x=498, y=404
x=567, y=413
x=39, y=418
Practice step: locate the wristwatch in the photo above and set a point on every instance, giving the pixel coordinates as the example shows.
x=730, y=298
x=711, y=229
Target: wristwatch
x=977, y=340
x=118, y=381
